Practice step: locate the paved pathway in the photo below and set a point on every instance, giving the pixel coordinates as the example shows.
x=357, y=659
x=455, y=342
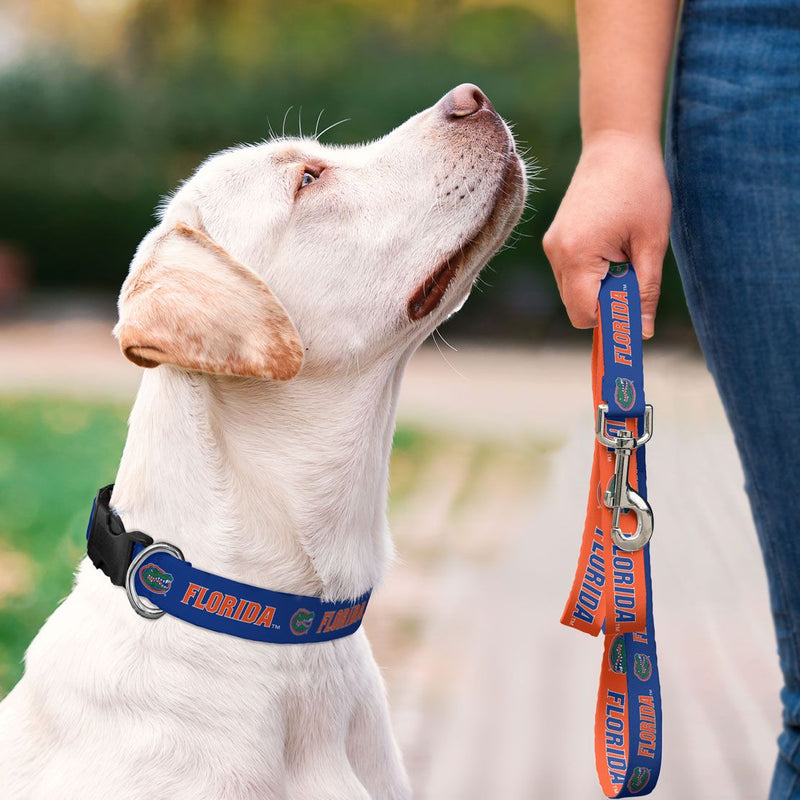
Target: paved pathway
x=489, y=710
x=505, y=710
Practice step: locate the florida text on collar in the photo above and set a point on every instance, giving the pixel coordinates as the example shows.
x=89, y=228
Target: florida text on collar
x=612, y=591
x=159, y=580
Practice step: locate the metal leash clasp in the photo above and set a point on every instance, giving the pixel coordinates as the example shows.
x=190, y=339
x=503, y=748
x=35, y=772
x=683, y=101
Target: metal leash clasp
x=621, y=497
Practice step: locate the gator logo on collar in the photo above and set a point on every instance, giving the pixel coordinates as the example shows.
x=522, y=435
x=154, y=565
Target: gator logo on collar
x=616, y=655
x=618, y=270
x=642, y=667
x=639, y=779
x=301, y=620
x=155, y=579
x=624, y=393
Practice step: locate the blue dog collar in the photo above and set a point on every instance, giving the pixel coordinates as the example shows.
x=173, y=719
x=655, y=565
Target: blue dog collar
x=159, y=581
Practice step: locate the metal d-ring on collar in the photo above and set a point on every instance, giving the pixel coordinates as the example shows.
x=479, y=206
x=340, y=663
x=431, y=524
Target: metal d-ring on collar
x=141, y=606
x=622, y=497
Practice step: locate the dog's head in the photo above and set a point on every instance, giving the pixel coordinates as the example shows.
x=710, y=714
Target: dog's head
x=289, y=253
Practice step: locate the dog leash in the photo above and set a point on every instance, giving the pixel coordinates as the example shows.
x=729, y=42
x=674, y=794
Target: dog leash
x=612, y=590
x=158, y=580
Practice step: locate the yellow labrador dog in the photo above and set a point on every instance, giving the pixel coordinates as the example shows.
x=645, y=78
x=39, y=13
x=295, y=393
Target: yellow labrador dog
x=279, y=300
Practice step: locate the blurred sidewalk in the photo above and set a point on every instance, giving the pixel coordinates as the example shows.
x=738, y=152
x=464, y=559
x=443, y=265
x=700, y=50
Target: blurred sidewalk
x=492, y=698
x=513, y=718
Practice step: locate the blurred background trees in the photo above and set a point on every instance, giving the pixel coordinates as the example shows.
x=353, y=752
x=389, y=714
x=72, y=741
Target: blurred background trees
x=105, y=105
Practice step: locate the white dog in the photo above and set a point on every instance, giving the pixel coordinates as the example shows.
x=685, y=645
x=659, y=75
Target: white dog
x=260, y=447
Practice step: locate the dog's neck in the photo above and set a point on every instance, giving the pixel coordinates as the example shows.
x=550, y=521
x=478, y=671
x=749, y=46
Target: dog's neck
x=279, y=485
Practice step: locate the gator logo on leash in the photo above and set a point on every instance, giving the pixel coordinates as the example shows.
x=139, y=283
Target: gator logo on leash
x=618, y=270
x=155, y=579
x=639, y=779
x=624, y=393
x=301, y=620
x=642, y=667
x=616, y=655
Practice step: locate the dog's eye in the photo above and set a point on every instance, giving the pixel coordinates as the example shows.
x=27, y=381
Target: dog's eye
x=311, y=174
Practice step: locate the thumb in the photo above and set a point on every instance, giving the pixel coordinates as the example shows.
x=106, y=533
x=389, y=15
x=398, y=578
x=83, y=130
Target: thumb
x=579, y=289
x=648, y=262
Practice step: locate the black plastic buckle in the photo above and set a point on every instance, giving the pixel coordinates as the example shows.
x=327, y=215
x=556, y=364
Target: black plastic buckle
x=108, y=544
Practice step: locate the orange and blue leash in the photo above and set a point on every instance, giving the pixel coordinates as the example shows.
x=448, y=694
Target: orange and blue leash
x=612, y=589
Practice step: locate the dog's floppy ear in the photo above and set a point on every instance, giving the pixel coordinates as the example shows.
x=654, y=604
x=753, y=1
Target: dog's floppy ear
x=188, y=302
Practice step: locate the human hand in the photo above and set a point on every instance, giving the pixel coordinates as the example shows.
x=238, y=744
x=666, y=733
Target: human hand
x=617, y=208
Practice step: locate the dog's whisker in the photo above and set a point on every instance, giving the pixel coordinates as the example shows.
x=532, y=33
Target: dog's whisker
x=434, y=206
x=331, y=127
x=283, y=127
x=466, y=186
x=444, y=341
x=444, y=357
x=316, y=127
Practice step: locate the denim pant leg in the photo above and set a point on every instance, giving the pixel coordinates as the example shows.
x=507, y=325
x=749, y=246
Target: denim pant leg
x=733, y=159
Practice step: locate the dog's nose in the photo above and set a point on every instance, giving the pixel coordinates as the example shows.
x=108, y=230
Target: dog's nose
x=464, y=101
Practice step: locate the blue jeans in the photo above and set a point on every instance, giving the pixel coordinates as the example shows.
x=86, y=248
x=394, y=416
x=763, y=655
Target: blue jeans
x=733, y=159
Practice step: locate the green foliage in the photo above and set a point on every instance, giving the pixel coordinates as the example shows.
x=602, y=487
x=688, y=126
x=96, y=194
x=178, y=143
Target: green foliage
x=54, y=454
x=405, y=440
x=86, y=152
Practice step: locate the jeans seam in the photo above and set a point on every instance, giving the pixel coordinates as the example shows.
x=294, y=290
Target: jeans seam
x=679, y=206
